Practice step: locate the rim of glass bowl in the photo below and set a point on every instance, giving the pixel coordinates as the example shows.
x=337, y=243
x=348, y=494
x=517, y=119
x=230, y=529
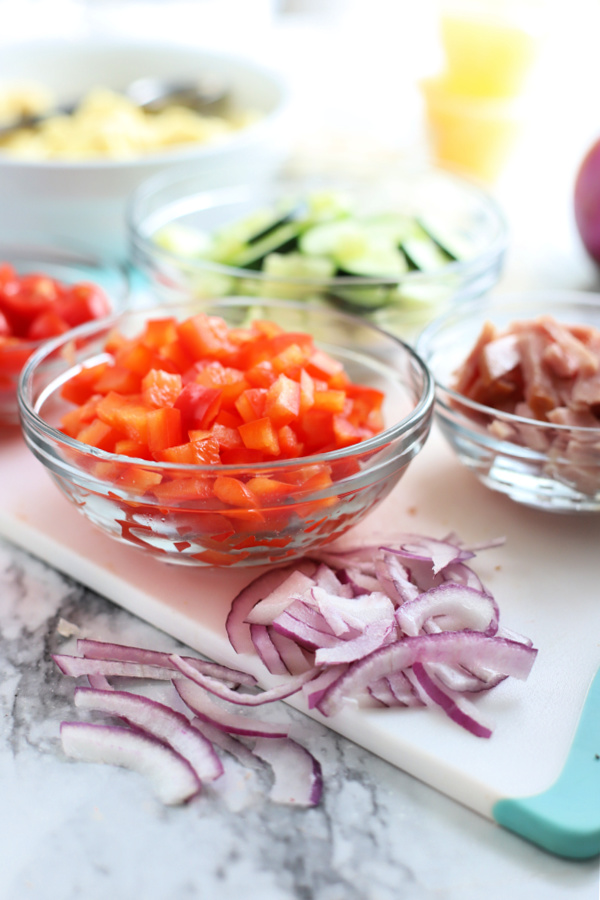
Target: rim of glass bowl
x=425, y=339
x=422, y=411
x=142, y=242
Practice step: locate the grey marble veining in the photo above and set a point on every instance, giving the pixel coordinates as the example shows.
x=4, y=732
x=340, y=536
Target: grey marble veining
x=73, y=831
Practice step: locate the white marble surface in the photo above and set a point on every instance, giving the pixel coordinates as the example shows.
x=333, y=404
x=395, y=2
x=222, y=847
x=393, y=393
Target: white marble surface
x=72, y=831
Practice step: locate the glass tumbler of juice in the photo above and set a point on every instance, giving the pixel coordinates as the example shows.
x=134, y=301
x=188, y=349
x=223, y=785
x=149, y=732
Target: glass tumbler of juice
x=490, y=46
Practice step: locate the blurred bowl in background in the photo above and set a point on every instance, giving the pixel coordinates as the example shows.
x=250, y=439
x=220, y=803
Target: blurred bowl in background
x=550, y=461
x=87, y=197
x=376, y=261
x=58, y=287
x=212, y=513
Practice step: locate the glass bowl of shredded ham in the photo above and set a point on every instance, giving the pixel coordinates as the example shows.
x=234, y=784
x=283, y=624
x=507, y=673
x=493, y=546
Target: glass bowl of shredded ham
x=518, y=394
x=243, y=432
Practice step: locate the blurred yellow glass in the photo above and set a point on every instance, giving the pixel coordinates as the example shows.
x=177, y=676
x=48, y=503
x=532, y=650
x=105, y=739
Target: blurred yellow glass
x=470, y=133
x=489, y=46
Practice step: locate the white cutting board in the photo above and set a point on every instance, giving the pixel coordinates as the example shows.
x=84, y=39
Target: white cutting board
x=545, y=579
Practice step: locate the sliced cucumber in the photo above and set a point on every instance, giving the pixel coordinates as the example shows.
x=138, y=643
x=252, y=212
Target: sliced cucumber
x=423, y=253
x=185, y=241
x=340, y=239
x=447, y=239
x=378, y=261
x=362, y=297
x=282, y=239
x=299, y=265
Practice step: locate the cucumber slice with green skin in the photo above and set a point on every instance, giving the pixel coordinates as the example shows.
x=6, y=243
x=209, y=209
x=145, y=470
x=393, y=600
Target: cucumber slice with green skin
x=362, y=298
x=422, y=253
x=338, y=239
x=450, y=241
x=376, y=262
x=282, y=239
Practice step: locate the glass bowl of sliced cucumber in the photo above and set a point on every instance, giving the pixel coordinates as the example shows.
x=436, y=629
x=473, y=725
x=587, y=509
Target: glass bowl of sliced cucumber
x=396, y=248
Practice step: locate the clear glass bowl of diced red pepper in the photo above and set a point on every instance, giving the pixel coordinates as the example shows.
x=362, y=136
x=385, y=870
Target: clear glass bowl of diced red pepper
x=47, y=290
x=242, y=432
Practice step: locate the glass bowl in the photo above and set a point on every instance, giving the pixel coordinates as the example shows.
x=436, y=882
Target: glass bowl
x=549, y=465
x=400, y=301
x=69, y=265
x=330, y=492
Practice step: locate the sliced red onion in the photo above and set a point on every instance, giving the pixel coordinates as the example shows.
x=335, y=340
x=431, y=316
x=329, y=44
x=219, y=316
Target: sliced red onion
x=463, y=681
x=267, y=609
x=267, y=650
x=455, y=648
x=316, y=688
x=454, y=705
x=228, y=743
x=99, y=682
x=298, y=775
x=238, y=630
x=327, y=580
x=291, y=686
x=199, y=701
x=374, y=636
x=395, y=579
x=75, y=666
x=172, y=777
x=344, y=615
x=449, y=607
x=296, y=659
x=403, y=688
x=107, y=650
x=160, y=722
x=302, y=633
x=437, y=554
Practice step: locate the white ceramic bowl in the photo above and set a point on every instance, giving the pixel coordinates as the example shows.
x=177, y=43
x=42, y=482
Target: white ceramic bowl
x=87, y=199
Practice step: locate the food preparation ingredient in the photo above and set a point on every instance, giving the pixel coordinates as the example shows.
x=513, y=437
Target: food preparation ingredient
x=586, y=201
x=405, y=623
x=195, y=395
x=179, y=742
x=400, y=624
x=539, y=369
x=34, y=307
x=108, y=125
x=322, y=237
x=536, y=384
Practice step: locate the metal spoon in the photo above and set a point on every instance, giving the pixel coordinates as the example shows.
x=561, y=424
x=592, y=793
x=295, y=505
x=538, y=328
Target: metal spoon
x=206, y=94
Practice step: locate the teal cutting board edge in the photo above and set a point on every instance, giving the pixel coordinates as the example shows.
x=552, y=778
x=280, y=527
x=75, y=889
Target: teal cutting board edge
x=565, y=819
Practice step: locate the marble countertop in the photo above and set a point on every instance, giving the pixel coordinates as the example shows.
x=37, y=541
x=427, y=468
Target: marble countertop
x=72, y=830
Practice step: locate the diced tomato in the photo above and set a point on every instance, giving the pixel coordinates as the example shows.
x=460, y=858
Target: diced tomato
x=46, y=325
x=81, y=303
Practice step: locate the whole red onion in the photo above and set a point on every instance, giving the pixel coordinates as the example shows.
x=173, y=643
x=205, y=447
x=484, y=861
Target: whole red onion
x=587, y=201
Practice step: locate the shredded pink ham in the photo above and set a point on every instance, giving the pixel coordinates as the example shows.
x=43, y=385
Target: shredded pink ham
x=547, y=372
